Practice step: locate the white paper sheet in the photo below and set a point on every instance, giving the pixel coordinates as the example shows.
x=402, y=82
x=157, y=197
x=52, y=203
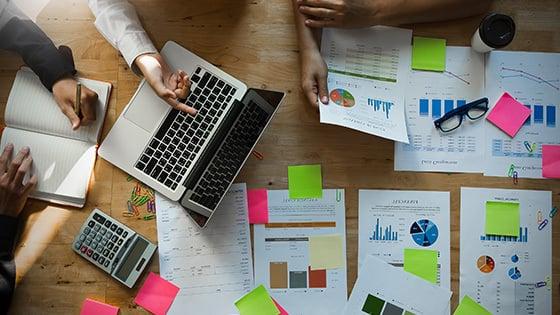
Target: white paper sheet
x=534, y=80
x=381, y=287
x=429, y=96
x=367, y=79
x=212, y=266
x=281, y=252
x=488, y=266
x=390, y=221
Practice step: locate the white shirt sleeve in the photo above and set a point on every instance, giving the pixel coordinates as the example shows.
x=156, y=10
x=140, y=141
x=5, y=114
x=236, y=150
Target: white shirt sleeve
x=118, y=22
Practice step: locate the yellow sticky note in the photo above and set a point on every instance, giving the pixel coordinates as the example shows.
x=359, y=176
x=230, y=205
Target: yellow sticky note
x=421, y=262
x=326, y=251
x=428, y=54
x=502, y=218
x=469, y=307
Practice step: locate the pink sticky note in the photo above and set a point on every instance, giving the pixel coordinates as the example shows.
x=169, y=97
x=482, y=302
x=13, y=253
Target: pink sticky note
x=280, y=308
x=257, y=200
x=551, y=161
x=156, y=294
x=509, y=115
x=92, y=307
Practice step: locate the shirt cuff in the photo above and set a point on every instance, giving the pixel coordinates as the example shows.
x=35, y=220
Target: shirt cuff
x=133, y=45
x=8, y=229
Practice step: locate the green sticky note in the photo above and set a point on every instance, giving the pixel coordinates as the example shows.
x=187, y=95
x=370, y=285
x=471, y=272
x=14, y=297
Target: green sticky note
x=421, y=262
x=257, y=302
x=305, y=181
x=326, y=251
x=502, y=218
x=428, y=54
x=469, y=307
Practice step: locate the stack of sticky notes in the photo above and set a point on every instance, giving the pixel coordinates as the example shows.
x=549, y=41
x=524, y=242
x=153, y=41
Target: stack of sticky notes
x=508, y=114
x=259, y=302
x=428, y=54
x=502, y=218
x=156, y=294
x=305, y=181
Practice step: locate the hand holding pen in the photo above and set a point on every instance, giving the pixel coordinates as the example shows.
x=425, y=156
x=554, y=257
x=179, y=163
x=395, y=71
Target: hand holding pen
x=77, y=102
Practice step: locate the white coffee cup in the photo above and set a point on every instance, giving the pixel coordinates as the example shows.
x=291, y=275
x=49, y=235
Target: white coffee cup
x=495, y=31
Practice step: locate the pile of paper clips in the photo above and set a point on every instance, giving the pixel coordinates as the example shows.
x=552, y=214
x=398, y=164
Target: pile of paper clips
x=140, y=196
x=513, y=174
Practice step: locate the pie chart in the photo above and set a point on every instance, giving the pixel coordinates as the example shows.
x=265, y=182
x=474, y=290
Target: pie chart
x=485, y=264
x=514, y=273
x=342, y=98
x=424, y=232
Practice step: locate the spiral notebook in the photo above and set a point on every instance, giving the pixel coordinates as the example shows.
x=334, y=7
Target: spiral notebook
x=63, y=159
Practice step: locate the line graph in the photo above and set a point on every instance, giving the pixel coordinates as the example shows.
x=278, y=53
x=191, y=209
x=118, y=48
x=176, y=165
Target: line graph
x=529, y=76
x=458, y=77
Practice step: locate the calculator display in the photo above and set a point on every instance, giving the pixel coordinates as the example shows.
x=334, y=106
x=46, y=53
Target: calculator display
x=132, y=259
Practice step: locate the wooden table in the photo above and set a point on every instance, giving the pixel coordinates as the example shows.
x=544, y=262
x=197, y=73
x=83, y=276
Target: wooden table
x=254, y=41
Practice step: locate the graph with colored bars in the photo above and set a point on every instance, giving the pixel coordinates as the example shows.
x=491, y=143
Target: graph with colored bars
x=381, y=105
x=522, y=238
x=374, y=305
x=281, y=277
x=538, y=116
x=438, y=107
x=387, y=234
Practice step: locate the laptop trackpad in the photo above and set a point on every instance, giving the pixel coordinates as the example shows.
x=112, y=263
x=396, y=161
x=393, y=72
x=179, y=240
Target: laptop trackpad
x=146, y=110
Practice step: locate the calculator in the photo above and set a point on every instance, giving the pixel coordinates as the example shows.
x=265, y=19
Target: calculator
x=113, y=247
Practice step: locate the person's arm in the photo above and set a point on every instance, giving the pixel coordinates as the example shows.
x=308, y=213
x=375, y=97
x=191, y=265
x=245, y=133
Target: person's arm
x=313, y=68
x=56, y=70
x=363, y=13
x=13, y=196
x=118, y=22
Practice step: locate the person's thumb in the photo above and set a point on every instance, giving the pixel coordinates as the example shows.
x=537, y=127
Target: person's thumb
x=162, y=91
x=74, y=119
x=323, y=91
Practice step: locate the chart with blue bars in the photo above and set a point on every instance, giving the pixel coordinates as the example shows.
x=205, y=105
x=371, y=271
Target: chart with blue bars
x=522, y=238
x=542, y=115
x=438, y=107
x=387, y=234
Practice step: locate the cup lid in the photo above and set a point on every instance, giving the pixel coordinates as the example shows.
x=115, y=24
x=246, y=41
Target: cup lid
x=497, y=30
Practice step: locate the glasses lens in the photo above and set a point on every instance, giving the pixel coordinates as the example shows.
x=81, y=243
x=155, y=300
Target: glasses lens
x=477, y=111
x=451, y=123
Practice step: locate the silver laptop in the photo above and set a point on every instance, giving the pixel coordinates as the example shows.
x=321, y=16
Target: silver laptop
x=191, y=159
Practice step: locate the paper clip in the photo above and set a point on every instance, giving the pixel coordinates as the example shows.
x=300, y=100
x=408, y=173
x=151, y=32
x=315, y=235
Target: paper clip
x=553, y=212
x=511, y=170
x=129, y=178
x=515, y=178
x=148, y=217
x=540, y=284
x=528, y=146
x=543, y=224
x=539, y=217
x=257, y=154
x=127, y=214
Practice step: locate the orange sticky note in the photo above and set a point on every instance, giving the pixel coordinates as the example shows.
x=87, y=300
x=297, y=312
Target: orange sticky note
x=280, y=308
x=551, y=161
x=509, y=115
x=257, y=200
x=92, y=307
x=156, y=294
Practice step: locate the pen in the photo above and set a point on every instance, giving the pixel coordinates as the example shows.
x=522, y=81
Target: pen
x=78, y=104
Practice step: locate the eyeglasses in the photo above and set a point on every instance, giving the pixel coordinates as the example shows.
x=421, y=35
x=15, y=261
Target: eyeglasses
x=453, y=119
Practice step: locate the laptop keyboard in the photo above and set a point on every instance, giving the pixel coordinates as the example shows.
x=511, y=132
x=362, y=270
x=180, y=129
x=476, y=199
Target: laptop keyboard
x=230, y=156
x=181, y=137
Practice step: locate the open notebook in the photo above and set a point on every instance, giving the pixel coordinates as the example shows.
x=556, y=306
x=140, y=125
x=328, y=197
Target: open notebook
x=63, y=159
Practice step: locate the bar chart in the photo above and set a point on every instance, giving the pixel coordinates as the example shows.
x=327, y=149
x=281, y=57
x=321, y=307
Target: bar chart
x=522, y=238
x=542, y=115
x=438, y=106
x=380, y=234
x=283, y=278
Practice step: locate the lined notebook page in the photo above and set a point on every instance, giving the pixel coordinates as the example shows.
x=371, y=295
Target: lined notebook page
x=63, y=165
x=32, y=107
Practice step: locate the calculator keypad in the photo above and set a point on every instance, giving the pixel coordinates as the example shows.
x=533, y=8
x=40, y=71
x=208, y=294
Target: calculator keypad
x=101, y=239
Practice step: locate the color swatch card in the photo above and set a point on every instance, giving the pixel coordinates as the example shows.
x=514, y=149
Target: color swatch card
x=300, y=255
x=428, y=54
x=92, y=307
x=551, y=161
x=508, y=114
x=385, y=289
x=506, y=274
x=156, y=294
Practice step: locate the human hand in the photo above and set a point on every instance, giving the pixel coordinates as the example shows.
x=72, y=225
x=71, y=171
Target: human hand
x=314, y=77
x=167, y=84
x=64, y=91
x=13, y=193
x=340, y=13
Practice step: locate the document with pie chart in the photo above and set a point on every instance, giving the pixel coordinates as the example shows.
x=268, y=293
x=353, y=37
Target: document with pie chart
x=507, y=274
x=367, y=79
x=392, y=220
